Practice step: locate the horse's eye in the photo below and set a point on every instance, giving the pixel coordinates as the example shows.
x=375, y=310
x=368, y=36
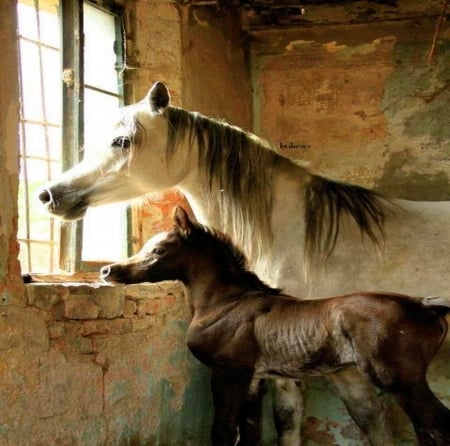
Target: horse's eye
x=122, y=142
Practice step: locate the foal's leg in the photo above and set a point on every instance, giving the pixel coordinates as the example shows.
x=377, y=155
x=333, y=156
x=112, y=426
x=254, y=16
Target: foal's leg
x=365, y=405
x=430, y=418
x=287, y=396
x=229, y=389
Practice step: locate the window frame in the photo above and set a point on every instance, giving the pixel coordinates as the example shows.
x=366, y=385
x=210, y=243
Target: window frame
x=69, y=238
x=71, y=17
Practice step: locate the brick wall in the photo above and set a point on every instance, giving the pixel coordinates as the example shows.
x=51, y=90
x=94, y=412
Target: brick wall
x=94, y=365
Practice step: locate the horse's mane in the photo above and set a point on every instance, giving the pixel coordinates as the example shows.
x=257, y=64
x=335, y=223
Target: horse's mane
x=232, y=259
x=237, y=163
x=325, y=202
x=243, y=166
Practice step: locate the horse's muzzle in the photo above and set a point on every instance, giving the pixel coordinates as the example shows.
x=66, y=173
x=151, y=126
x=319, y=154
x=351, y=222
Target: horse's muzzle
x=62, y=204
x=46, y=197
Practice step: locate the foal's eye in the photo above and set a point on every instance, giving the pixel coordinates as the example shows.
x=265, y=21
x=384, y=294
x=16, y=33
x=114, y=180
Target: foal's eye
x=158, y=251
x=122, y=142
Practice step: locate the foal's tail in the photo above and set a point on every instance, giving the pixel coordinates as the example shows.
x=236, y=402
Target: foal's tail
x=440, y=305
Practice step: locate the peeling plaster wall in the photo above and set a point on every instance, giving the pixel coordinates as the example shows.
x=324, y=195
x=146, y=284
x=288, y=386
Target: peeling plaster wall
x=215, y=65
x=86, y=365
x=10, y=291
x=359, y=103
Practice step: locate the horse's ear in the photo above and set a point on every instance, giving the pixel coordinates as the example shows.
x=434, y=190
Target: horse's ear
x=182, y=221
x=158, y=97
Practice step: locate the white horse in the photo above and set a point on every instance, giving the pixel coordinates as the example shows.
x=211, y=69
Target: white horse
x=303, y=233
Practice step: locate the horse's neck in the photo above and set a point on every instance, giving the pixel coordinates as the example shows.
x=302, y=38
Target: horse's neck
x=207, y=291
x=286, y=222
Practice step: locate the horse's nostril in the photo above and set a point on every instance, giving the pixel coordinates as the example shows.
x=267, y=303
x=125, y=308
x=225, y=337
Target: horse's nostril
x=104, y=271
x=46, y=196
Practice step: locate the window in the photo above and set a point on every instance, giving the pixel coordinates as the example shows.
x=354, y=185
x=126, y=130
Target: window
x=68, y=88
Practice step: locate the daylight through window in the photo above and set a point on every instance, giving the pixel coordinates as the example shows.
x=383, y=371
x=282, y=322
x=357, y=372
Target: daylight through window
x=46, y=147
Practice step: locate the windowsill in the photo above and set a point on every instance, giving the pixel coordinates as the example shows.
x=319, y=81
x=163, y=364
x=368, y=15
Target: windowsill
x=79, y=297
x=79, y=277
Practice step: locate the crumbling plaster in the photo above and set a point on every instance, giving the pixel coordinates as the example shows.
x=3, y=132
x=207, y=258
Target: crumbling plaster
x=359, y=103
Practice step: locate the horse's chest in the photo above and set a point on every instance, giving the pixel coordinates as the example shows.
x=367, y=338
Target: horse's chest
x=223, y=343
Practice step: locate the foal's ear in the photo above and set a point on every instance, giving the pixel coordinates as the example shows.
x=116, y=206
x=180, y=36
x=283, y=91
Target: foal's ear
x=158, y=97
x=181, y=219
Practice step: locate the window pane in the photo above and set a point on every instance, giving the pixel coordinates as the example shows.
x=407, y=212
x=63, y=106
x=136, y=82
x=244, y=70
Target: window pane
x=27, y=20
x=43, y=26
x=103, y=233
x=99, y=56
x=51, y=70
x=104, y=228
x=31, y=81
x=99, y=112
x=43, y=257
x=42, y=142
x=49, y=23
x=40, y=133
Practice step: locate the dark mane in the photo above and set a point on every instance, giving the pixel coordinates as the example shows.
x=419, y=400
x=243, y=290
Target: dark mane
x=244, y=167
x=234, y=161
x=325, y=202
x=233, y=260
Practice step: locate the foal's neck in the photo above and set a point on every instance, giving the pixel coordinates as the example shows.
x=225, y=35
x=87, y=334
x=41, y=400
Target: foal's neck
x=211, y=284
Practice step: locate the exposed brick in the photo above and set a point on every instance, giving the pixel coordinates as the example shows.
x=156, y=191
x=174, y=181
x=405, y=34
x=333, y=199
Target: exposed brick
x=111, y=303
x=55, y=329
x=80, y=307
x=102, y=326
x=129, y=309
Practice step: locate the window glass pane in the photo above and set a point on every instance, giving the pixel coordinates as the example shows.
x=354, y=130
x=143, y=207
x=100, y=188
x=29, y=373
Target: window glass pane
x=104, y=232
x=49, y=23
x=43, y=256
x=31, y=81
x=99, y=55
x=99, y=113
x=40, y=133
x=27, y=20
x=51, y=70
x=104, y=228
x=34, y=141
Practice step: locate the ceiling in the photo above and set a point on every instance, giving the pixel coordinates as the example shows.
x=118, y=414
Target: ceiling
x=259, y=15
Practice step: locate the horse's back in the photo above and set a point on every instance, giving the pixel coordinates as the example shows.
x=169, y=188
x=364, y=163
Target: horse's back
x=413, y=255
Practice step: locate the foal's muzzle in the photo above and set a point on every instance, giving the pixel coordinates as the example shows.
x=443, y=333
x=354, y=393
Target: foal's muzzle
x=104, y=272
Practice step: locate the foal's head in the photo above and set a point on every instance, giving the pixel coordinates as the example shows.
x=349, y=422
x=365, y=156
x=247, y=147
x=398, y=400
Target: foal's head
x=166, y=256
x=189, y=252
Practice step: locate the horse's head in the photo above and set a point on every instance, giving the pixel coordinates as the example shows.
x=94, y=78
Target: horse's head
x=132, y=163
x=166, y=256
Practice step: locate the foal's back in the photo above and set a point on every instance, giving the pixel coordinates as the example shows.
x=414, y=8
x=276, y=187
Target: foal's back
x=317, y=336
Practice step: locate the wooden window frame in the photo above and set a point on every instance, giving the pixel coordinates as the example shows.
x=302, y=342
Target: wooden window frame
x=70, y=17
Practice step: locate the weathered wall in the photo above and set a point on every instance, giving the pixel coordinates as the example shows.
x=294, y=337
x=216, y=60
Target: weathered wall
x=98, y=365
x=10, y=291
x=216, y=73
x=359, y=103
